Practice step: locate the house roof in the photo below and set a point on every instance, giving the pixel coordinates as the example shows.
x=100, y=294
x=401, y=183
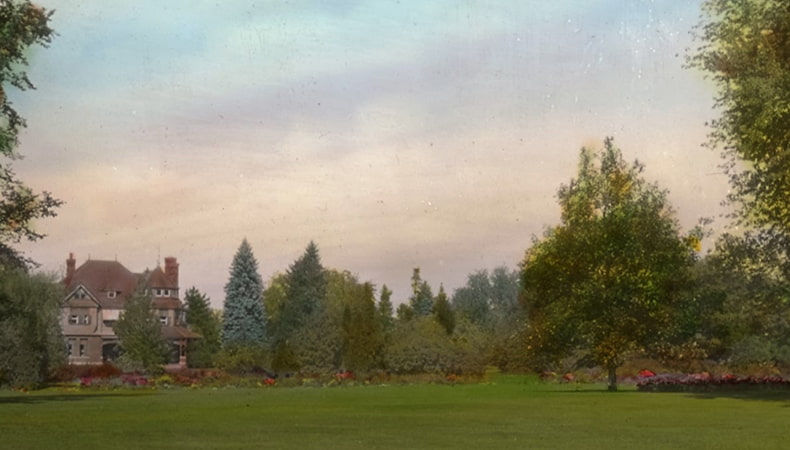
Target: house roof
x=158, y=279
x=100, y=277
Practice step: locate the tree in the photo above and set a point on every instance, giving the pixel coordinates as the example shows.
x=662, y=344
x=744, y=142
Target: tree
x=385, y=309
x=31, y=342
x=607, y=280
x=362, y=337
x=244, y=318
x=473, y=300
x=443, y=312
x=421, y=300
x=202, y=320
x=22, y=25
x=304, y=302
x=745, y=49
x=140, y=334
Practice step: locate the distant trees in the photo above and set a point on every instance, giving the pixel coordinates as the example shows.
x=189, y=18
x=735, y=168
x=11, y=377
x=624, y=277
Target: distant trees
x=244, y=318
x=22, y=25
x=140, y=334
x=608, y=279
x=31, y=343
x=202, y=320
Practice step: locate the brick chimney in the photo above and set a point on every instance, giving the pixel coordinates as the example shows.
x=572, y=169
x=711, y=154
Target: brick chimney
x=71, y=266
x=171, y=269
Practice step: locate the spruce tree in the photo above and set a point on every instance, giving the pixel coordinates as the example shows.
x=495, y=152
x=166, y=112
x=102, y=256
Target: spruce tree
x=306, y=290
x=421, y=300
x=244, y=318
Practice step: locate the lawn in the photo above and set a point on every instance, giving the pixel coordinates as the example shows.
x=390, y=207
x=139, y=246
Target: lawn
x=510, y=412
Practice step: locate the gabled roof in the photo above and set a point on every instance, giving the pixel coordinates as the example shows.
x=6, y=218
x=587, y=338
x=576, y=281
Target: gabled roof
x=100, y=277
x=79, y=287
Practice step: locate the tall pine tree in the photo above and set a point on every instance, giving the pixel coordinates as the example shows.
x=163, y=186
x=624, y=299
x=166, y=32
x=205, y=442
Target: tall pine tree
x=244, y=318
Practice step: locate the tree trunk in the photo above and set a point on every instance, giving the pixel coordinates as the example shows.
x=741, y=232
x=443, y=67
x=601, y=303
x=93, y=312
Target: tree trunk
x=611, y=386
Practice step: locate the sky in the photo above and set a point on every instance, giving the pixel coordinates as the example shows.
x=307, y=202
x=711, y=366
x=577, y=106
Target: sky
x=394, y=134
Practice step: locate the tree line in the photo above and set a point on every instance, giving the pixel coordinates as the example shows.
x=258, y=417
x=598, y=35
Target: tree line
x=616, y=278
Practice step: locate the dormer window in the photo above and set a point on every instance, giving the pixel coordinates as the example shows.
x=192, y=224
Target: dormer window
x=111, y=294
x=158, y=292
x=74, y=319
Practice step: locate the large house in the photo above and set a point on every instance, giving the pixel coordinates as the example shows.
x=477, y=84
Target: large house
x=96, y=293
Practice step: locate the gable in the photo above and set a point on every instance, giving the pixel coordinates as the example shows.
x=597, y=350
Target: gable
x=80, y=297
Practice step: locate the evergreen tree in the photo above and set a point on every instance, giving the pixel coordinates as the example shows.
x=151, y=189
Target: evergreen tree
x=140, y=334
x=305, y=290
x=385, y=309
x=244, y=318
x=361, y=330
x=421, y=300
x=202, y=320
x=443, y=312
x=305, y=297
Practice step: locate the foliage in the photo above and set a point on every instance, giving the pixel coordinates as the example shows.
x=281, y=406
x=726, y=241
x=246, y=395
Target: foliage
x=385, y=309
x=607, y=279
x=305, y=288
x=704, y=382
x=490, y=301
x=202, y=320
x=22, y=25
x=140, y=334
x=421, y=300
x=240, y=359
x=244, y=318
x=420, y=345
x=443, y=312
x=362, y=332
x=745, y=49
x=31, y=343
x=741, y=308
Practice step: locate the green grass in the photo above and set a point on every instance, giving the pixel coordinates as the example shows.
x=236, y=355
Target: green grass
x=513, y=412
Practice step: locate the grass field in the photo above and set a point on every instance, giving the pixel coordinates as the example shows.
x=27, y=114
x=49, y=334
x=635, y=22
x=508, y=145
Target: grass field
x=510, y=412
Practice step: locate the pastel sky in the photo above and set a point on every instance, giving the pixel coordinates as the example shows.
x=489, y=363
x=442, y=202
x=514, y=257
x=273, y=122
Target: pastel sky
x=395, y=134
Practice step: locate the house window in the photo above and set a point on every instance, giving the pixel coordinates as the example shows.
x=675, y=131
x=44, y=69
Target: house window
x=83, y=345
x=111, y=294
x=74, y=319
x=158, y=292
x=164, y=320
x=71, y=347
x=166, y=292
x=86, y=319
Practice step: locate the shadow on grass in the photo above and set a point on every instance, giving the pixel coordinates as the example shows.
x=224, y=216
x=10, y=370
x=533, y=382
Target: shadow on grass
x=32, y=399
x=762, y=395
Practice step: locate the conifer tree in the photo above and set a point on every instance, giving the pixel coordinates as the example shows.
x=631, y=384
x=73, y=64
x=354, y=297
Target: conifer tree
x=244, y=318
x=202, y=320
x=443, y=312
x=305, y=290
x=385, y=309
x=421, y=300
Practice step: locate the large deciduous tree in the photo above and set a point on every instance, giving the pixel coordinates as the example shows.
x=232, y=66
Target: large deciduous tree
x=244, y=318
x=606, y=280
x=745, y=49
x=22, y=25
x=31, y=342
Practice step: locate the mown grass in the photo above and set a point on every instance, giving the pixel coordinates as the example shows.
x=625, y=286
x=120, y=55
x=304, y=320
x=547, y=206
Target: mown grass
x=511, y=412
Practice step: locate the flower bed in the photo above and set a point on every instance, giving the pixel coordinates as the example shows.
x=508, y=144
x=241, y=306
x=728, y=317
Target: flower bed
x=704, y=382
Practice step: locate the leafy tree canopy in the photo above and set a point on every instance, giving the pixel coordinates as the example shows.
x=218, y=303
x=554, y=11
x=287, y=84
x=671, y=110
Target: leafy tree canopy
x=745, y=49
x=22, y=25
x=605, y=281
x=140, y=333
